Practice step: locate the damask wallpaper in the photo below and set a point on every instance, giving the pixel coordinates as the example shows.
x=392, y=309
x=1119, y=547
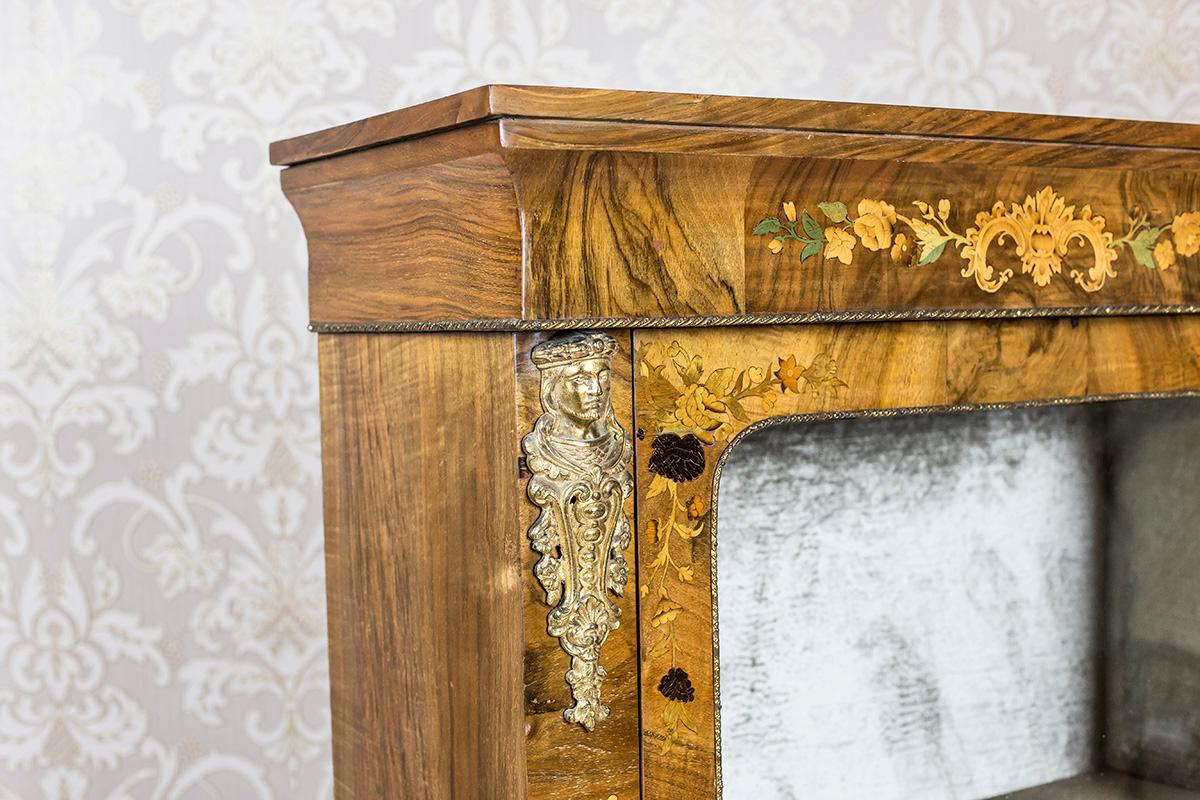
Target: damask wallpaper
x=161, y=592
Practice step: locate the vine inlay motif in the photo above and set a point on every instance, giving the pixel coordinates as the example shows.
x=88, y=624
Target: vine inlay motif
x=691, y=409
x=578, y=456
x=1042, y=230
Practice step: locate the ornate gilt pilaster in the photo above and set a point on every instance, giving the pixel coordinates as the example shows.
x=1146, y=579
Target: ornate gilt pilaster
x=578, y=456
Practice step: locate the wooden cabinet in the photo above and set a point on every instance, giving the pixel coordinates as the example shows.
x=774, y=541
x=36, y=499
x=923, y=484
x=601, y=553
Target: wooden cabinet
x=545, y=315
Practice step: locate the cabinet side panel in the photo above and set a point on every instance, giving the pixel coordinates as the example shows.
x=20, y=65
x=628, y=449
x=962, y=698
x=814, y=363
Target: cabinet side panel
x=422, y=562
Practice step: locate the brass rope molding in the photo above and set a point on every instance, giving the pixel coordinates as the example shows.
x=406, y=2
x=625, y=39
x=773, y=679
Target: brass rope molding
x=733, y=320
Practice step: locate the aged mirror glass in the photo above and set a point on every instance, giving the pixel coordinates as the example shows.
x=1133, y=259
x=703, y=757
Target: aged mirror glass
x=963, y=606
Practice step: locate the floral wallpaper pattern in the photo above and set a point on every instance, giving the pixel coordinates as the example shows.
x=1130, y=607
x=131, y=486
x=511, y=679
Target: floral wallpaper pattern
x=162, y=627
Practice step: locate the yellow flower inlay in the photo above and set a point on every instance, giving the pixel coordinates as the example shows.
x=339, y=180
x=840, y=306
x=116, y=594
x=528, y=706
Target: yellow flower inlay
x=1164, y=254
x=688, y=402
x=874, y=224
x=1186, y=229
x=704, y=413
x=840, y=245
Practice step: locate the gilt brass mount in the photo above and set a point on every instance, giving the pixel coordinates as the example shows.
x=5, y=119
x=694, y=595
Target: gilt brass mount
x=578, y=456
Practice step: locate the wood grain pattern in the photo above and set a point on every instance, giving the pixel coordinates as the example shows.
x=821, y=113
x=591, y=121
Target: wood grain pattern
x=564, y=761
x=423, y=566
x=631, y=234
x=422, y=231
x=775, y=283
x=521, y=221
x=690, y=382
x=613, y=105
x=554, y=134
x=509, y=206
x=442, y=113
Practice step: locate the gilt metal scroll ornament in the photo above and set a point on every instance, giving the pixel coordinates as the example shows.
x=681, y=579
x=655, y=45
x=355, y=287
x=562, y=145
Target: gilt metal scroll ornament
x=578, y=455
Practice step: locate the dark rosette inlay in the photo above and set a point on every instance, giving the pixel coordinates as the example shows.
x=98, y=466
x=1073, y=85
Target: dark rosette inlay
x=677, y=686
x=677, y=458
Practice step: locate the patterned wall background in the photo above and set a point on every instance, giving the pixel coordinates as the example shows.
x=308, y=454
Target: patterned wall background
x=161, y=592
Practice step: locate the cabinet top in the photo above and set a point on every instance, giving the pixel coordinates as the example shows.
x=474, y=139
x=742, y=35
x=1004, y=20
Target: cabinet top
x=510, y=207
x=612, y=105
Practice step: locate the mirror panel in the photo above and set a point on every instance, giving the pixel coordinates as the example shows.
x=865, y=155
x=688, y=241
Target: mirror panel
x=934, y=606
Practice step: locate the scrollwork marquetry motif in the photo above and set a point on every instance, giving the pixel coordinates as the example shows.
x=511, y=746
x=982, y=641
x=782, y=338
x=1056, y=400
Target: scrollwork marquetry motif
x=578, y=455
x=1042, y=231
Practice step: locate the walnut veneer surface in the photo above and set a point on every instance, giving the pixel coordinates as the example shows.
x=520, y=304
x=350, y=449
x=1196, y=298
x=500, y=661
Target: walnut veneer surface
x=615, y=207
x=614, y=105
x=752, y=261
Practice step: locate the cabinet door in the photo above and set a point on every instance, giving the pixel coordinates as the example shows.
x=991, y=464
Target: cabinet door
x=699, y=391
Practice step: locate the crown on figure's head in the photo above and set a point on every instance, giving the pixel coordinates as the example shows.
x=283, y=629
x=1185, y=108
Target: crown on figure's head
x=572, y=347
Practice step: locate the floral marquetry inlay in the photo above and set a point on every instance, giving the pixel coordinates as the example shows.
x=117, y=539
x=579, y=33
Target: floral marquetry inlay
x=693, y=413
x=1045, y=233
